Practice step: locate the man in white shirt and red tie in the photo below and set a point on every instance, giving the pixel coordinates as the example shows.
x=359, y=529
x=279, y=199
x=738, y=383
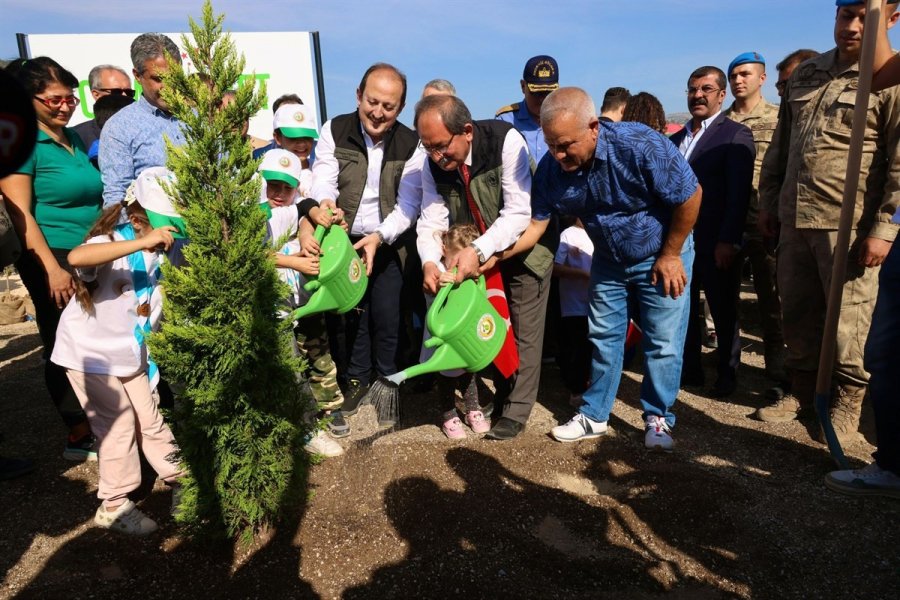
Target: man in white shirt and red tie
x=480, y=172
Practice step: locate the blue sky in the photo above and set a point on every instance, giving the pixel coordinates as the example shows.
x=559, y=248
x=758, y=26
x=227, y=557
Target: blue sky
x=481, y=46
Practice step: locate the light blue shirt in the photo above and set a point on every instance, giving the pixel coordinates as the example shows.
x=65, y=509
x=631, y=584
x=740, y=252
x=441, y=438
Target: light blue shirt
x=132, y=141
x=530, y=129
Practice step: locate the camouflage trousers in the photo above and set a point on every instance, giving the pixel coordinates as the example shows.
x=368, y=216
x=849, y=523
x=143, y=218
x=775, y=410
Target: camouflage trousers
x=805, y=258
x=321, y=372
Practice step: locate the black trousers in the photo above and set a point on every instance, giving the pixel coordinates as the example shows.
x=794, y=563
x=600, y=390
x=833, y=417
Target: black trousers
x=373, y=327
x=574, y=356
x=47, y=316
x=722, y=288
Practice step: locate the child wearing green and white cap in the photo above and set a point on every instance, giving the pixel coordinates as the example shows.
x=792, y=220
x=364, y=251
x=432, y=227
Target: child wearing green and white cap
x=280, y=171
x=296, y=131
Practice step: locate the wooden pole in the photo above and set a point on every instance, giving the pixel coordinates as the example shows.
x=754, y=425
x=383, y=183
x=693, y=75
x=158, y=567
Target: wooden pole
x=839, y=268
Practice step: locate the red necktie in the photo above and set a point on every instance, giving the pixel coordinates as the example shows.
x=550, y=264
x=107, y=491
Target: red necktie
x=507, y=360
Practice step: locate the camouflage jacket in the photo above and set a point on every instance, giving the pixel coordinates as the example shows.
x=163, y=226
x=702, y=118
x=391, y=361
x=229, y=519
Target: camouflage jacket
x=761, y=121
x=802, y=178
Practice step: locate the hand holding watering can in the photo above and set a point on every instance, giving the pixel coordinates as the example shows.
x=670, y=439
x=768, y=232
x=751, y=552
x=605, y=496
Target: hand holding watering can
x=342, y=280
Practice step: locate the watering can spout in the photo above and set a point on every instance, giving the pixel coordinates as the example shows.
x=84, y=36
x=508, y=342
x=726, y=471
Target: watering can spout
x=444, y=359
x=318, y=302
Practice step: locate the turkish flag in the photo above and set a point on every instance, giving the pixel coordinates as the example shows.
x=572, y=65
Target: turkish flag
x=507, y=360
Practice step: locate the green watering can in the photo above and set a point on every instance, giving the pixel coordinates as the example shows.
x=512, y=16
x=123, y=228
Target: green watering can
x=466, y=329
x=342, y=280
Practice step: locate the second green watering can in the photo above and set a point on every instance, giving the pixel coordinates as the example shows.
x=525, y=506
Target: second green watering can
x=467, y=331
x=341, y=282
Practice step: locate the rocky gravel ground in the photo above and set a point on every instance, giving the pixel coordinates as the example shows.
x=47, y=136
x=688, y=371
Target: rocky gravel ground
x=737, y=511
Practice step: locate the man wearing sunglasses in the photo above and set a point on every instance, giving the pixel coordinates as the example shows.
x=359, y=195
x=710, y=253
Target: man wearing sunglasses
x=105, y=80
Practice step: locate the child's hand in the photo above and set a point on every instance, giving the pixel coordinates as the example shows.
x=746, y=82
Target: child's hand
x=447, y=278
x=308, y=265
x=159, y=239
x=320, y=216
x=308, y=244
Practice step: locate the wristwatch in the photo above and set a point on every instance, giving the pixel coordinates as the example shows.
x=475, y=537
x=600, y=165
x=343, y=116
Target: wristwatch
x=481, y=258
x=380, y=237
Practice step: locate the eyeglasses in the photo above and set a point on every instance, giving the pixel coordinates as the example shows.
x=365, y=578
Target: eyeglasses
x=440, y=149
x=706, y=90
x=116, y=91
x=56, y=102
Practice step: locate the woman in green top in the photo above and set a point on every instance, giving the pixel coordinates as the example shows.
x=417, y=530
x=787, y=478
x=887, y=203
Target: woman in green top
x=53, y=199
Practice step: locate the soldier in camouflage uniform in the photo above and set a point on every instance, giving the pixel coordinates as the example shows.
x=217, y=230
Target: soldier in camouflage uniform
x=746, y=74
x=801, y=185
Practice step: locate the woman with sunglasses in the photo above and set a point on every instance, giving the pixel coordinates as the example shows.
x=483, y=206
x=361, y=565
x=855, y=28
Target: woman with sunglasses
x=53, y=199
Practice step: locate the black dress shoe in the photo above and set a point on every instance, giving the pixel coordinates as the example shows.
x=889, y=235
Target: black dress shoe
x=724, y=387
x=505, y=429
x=354, y=397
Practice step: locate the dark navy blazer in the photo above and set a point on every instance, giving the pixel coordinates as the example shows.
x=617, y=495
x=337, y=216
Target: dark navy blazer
x=723, y=162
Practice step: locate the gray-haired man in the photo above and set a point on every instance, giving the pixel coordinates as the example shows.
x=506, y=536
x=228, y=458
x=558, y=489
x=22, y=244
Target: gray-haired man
x=133, y=140
x=105, y=80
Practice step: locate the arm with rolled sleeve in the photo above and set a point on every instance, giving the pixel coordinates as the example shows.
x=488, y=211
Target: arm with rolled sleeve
x=409, y=199
x=325, y=169
x=515, y=214
x=116, y=160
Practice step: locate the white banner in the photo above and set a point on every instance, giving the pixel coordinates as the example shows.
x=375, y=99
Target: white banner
x=283, y=60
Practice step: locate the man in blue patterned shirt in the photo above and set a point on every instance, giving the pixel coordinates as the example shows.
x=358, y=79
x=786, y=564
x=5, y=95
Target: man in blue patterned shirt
x=638, y=199
x=133, y=139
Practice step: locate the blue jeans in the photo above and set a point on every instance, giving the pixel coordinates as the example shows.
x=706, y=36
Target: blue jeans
x=882, y=363
x=664, y=321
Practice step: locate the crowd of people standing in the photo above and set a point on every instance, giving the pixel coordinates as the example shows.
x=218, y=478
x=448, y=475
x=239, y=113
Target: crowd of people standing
x=638, y=227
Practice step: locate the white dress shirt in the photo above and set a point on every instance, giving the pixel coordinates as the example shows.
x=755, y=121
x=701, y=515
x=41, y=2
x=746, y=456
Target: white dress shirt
x=690, y=140
x=515, y=212
x=368, y=215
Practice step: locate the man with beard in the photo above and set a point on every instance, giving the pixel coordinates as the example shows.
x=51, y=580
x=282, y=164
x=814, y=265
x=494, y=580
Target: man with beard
x=802, y=185
x=721, y=153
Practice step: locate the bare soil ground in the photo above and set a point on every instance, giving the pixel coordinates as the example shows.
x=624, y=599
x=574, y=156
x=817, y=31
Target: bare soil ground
x=737, y=511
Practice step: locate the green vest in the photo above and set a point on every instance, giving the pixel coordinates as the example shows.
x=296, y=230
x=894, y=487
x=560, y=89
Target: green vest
x=487, y=192
x=353, y=159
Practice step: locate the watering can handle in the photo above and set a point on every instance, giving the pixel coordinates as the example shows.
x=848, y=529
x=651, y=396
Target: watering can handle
x=319, y=233
x=432, y=342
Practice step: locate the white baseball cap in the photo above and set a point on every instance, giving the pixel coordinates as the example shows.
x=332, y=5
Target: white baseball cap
x=296, y=121
x=281, y=165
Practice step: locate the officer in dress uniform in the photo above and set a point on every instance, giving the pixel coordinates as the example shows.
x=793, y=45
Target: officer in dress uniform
x=541, y=76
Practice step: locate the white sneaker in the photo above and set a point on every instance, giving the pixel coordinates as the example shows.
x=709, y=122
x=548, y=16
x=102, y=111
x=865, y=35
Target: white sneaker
x=657, y=434
x=871, y=480
x=323, y=445
x=125, y=519
x=579, y=427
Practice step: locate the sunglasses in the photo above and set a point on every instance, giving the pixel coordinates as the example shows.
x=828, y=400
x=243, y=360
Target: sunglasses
x=116, y=91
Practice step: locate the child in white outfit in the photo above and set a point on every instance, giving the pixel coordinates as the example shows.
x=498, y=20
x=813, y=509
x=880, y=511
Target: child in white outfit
x=572, y=266
x=100, y=343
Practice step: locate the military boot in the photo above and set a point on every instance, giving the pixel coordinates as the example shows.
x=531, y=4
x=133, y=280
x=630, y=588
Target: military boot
x=798, y=403
x=845, y=412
